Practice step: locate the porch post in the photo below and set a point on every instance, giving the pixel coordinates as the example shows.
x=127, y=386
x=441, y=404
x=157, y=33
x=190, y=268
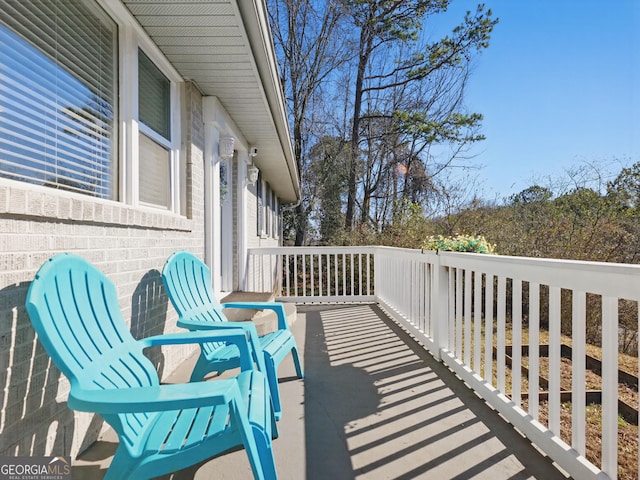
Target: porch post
x=212, y=247
x=440, y=307
x=242, y=218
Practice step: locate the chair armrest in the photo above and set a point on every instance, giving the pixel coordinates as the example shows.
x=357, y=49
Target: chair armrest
x=246, y=327
x=154, y=399
x=275, y=306
x=236, y=336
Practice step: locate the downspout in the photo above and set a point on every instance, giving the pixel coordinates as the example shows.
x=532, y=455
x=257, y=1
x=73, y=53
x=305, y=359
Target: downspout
x=284, y=208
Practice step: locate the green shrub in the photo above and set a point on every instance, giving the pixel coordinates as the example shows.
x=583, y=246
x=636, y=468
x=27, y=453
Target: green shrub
x=459, y=243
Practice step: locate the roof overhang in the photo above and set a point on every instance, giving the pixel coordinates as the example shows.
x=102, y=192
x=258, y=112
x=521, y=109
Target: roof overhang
x=226, y=48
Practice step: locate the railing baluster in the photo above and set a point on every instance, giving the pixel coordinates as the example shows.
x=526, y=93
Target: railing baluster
x=335, y=274
x=417, y=319
x=279, y=273
x=319, y=274
x=304, y=275
x=554, y=360
x=451, y=339
x=467, y=317
x=360, y=273
x=477, y=317
x=500, y=332
x=610, y=386
x=458, y=326
x=312, y=273
x=288, y=280
x=516, y=342
x=352, y=273
x=295, y=274
x=578, y=361
x=327, y=260
x=488, y=330
x=422, y=294
x=534, y=349
x=415, y=293
x=398, y=285
x=406, y=290
x=428, y=287
x=344, y=274
x=369, y=261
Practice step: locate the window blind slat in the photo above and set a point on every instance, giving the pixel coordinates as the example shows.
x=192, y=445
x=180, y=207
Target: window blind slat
x=154, y=173
x=20, y=129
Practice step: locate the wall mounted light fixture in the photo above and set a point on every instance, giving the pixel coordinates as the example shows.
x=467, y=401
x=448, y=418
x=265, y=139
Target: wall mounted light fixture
x=226, y=146
x=252, y=174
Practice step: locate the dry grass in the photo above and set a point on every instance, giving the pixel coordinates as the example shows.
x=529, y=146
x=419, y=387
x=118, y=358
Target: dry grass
x=626, y=362
x=627, y=437
x=627, y=433
x=628, y=449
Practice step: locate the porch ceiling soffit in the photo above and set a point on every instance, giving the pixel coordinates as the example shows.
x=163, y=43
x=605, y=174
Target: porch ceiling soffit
x=225, y=47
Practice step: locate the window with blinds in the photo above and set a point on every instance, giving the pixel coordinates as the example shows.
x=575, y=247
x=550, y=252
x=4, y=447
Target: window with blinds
x=267, y=214
x=154, y=115
x=260, y=206
x=58, y=95
x=275, y=232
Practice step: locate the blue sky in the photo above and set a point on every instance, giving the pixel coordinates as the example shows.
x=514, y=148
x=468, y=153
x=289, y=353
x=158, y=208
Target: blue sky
x=559, y=87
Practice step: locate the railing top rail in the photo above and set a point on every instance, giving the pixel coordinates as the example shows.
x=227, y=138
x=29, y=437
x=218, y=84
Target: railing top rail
x=548, y=262
x=611, y=279
x=336, y=249
x=310, y=250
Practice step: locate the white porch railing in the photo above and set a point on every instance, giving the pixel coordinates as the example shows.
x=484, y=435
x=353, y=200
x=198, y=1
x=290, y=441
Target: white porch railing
x=466, y=308
x=311, y=274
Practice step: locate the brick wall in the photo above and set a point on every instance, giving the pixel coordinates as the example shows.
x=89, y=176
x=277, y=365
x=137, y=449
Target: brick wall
x=130, y=245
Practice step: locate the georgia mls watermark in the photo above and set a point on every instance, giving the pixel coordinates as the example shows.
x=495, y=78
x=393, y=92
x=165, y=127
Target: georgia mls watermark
x=35, y=468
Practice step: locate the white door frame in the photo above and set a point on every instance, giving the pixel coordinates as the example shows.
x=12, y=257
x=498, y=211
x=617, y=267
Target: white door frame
x=225, y=238
x=218, y=228
x=241, y=220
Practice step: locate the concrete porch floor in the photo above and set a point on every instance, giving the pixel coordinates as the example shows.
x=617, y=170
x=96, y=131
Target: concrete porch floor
x=373, y=405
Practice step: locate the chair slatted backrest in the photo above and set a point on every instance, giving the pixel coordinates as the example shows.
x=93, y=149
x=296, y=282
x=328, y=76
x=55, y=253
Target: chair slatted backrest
x=75, y=311
x=189, y=288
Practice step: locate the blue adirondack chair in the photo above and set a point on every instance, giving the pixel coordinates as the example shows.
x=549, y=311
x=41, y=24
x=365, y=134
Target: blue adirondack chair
x=188, y=283
x=162, y=428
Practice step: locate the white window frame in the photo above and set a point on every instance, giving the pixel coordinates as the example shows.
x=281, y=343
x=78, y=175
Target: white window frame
x=267, y=206
x=261, y=187
x=276, y=216
x=114, y=195
x=131, y=38
x=268, y=210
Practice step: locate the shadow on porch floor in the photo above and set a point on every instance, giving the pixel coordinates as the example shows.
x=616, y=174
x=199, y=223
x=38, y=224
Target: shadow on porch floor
x=373, y=405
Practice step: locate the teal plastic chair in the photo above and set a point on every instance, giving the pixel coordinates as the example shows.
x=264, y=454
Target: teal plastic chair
x=162, y=428
x=187, y=281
